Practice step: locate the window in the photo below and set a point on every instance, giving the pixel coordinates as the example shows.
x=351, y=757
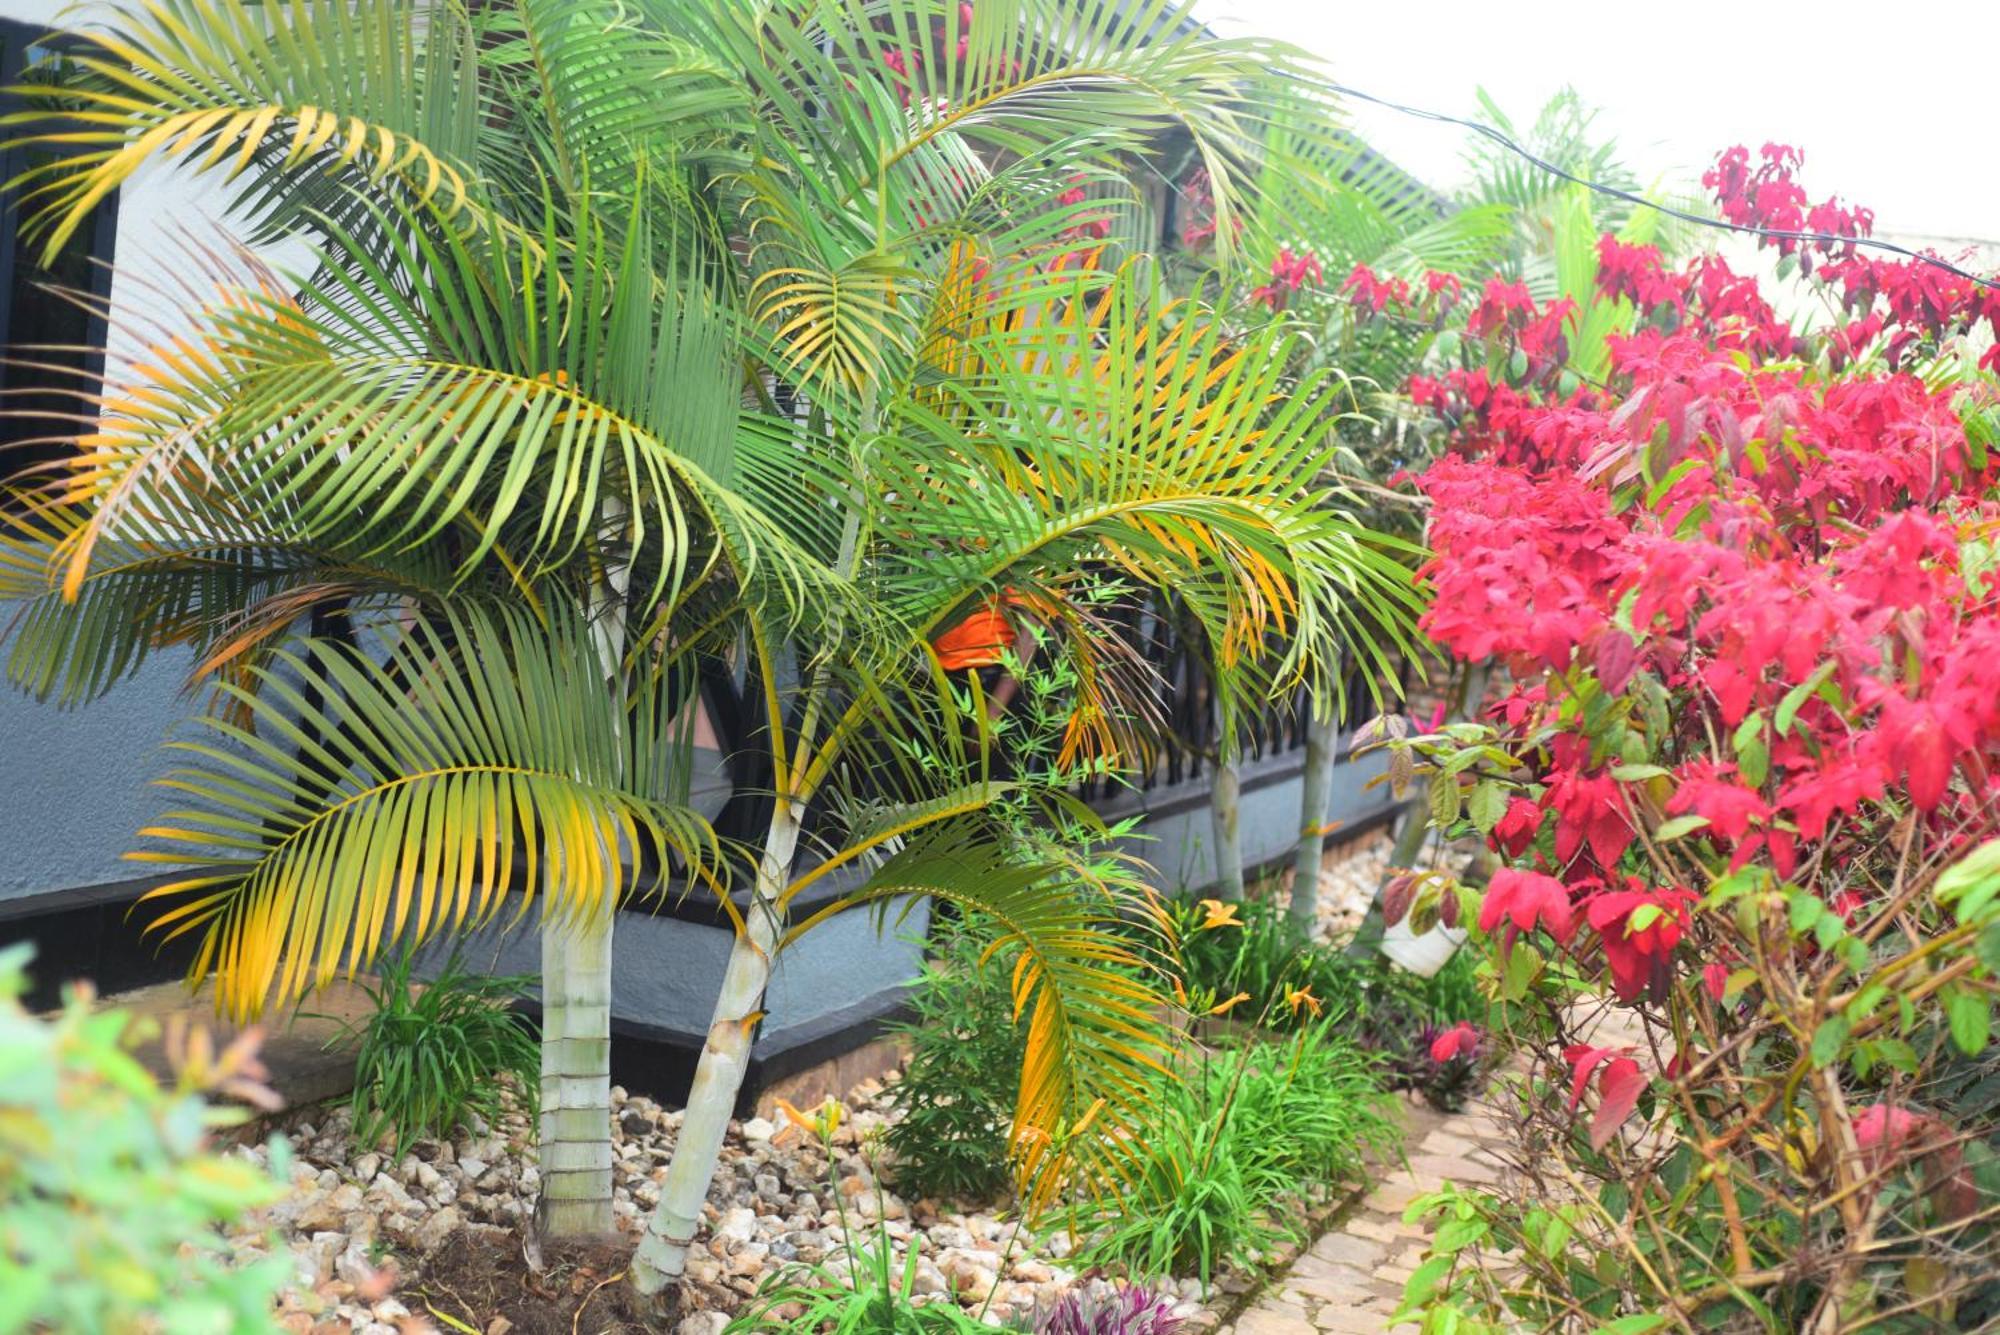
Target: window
x=53, y=345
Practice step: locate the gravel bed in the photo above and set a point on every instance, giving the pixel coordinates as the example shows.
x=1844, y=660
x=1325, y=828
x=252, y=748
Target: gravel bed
x=359, y=1221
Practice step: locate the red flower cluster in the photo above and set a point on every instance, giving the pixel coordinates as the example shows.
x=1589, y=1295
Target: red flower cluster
x=1461, y=1040
x=1375, y=294
x=1619, y=1085
x=1923, y=301
x=1636, y=274
x=1769, y=578
x=1289, y=273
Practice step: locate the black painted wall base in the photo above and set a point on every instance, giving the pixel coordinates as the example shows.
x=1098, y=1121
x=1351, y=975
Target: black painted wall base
x=97, y=934
x=660, y=1063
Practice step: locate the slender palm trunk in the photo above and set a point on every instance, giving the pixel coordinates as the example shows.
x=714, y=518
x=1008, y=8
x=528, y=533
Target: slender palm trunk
x=661, y=1258
x=575, y=1140
x=1225, y=818
x=1322, y=739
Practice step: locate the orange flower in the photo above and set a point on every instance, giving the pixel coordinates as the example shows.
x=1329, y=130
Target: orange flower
x=1302, y=996
x=1220, y=915
x=1224, y=1007
x=820, y=1123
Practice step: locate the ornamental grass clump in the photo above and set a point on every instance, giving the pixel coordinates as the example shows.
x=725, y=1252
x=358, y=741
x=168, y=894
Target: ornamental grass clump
x=1742, y=778
x=1234, y=1143
x=431, y=1055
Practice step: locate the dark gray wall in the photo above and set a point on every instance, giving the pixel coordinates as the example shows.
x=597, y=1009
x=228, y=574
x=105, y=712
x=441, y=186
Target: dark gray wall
x=74, y=783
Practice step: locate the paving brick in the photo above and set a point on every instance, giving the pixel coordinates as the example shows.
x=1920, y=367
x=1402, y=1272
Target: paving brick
x=1262, y=1320
x=1345, y=1249
x=1451, y=1168
x=1382, y=1228
x=1391, y=1197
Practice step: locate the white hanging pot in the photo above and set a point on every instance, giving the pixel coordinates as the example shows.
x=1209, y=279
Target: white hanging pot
x=1422, y=955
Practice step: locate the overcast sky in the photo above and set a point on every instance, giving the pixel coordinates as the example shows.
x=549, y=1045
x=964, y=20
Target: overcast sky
x=1896, y=110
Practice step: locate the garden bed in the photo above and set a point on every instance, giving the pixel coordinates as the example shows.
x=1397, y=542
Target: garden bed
x=383, y=1245
x=379, y=1241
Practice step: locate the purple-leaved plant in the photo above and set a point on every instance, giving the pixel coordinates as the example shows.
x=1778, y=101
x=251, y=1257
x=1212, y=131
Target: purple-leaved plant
x=1127, y=1311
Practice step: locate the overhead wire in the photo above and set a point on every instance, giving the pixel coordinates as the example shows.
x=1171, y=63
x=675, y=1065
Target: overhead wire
x=1700, y=220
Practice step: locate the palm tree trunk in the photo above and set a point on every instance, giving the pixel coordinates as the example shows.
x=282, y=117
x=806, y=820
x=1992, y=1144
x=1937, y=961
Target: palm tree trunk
x=1322, y=740
x=1225, y=816
x=575, y=1137
x=661, y=1258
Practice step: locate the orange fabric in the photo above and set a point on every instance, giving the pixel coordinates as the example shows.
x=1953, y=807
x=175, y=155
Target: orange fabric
x=979, y=641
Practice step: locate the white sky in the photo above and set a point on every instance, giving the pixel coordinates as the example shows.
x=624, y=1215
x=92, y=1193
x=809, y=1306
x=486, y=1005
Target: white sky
x=1895, y=106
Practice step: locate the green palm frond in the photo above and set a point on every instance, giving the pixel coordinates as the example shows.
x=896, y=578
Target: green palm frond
x=601, y=90
x=1172, y=453
x=362, y=421
x=367, y=90
x=1107, y=76
x=485, y=760
x=1094, y=1038
x=203, y=582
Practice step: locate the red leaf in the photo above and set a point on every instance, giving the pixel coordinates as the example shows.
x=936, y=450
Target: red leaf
x=1618, y=1090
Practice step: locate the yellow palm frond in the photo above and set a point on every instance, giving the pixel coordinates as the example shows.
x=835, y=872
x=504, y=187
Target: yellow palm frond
x=486, y=762
x=230, y=86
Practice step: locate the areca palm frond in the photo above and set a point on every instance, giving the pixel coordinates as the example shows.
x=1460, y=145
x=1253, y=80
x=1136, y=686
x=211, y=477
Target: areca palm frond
x=593, y=89
x=844, y=309
x=373, y=419
x=374, y=90
x=1159, y=447
x=485, y=760
x=1093, y=1037
x=203, y=582
x=916, y=80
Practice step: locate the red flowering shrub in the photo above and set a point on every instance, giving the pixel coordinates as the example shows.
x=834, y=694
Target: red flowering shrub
x=1746, y=783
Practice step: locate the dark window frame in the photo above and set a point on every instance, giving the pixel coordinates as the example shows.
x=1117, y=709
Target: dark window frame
x=21, y=44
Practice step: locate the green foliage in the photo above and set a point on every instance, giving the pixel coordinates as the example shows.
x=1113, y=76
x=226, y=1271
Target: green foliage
x=880, y=1304
x=1230, y=1144
x=553, y=244
x=1389, y=1010
x=957, y=1095
x=956, y=1098
x=110, y=1197
x=867, y=1295
x=431, y=1052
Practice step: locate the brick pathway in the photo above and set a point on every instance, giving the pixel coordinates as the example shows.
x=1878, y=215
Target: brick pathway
x=1351, y=1279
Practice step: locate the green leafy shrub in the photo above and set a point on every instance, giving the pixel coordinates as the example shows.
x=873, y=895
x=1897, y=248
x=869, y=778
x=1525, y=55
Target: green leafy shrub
x=1391, y=1011
x=1230, y=1139
x=957, y=1097
x=110, y=1197
x=955, y=1101
x=880, y=1303
x=431, y=1054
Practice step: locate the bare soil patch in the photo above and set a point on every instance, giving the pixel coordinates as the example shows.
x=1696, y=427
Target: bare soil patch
x=478, y=1280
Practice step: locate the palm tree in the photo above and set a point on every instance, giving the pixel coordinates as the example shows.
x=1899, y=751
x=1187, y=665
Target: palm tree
x=638, y=335
x=1322, y=193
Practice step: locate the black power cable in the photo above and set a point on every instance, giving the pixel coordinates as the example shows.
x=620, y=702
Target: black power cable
x=1824, y=238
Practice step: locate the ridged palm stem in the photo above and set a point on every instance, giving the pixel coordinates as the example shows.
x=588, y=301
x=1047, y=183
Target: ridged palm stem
x=661, y=1257
x=1322, y=740
x=575, y=1139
